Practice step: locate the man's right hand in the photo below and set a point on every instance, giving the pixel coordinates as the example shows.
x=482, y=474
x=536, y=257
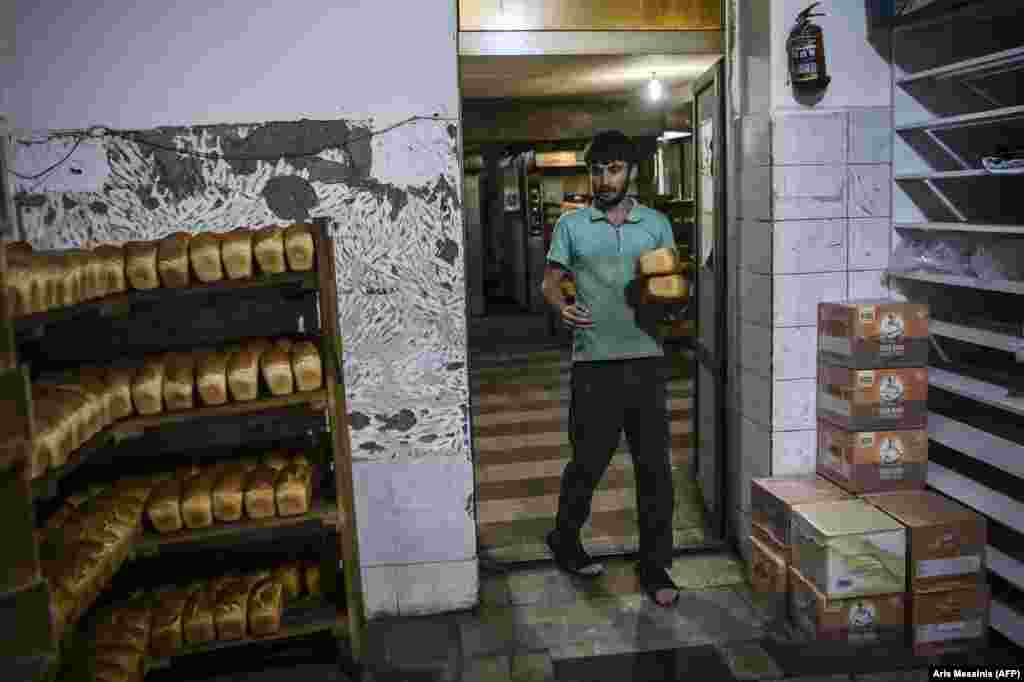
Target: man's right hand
x=576, y=316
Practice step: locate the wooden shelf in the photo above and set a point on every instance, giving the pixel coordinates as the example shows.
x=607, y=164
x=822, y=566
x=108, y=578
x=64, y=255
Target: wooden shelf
x=299, y=620
x=962, y=227
x=1008, y=622
x=947, y=175
x=981, y=498
x=120, y=305
x=975, y=389
x=1005, y=286
x=1006, y=567
x=996, y=60
x=990, y=117
x=46, y=486
x=979, y=337
x=227, y=535
x=977, y=444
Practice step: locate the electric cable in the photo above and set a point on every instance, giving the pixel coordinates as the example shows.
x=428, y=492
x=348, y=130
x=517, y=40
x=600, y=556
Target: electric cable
x=78, y=142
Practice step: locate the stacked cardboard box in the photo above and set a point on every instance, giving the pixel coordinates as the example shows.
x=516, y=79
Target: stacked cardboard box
x=861, y=551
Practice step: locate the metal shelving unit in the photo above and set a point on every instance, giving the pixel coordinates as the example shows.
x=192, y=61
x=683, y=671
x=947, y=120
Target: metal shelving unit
x=958, y=70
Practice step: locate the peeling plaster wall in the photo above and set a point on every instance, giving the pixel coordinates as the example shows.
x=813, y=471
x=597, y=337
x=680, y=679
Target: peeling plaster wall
x=393, y=203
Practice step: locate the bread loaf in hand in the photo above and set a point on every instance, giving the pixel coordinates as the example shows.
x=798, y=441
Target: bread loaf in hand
x=664, y=261
x=236, y=253
x=268, y=249
x=148, y=386
x=298, y=247
x=665, y=289
x=204, y=253
x=179, y=381
x=140, y=267
x=212, y=376
x=307, y=367
x=172, y=260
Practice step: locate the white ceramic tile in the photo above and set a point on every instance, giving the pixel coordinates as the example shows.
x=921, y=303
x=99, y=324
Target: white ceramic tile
x=755, y=187
x=756, y=398
x=755, y=298
x=427, y=589
x=809, y=139
x=869, y=243
x=795, y=352
x=793, y=404
x=379, y=591
x=869, y=191
x=808, y=192
x=755, y=347
x=755, y=457
x=796, y=297
x=755, y=138
x=871, y=136
x=868, y=284
x=755, y=240
x=793, y=452
x=375, y=512
x=805, y=246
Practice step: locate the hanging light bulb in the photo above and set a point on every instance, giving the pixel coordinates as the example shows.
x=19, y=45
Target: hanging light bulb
x=654, y=89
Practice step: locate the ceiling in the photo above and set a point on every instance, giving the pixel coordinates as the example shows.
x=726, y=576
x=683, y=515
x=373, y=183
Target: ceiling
x=608, y=76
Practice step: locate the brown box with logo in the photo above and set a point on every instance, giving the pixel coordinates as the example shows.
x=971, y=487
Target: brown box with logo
x=871, y=333
x=772, y=501
x=873, y=399
x=949, y=622
x=875, y=619
x=945, y=540
x=872, y=461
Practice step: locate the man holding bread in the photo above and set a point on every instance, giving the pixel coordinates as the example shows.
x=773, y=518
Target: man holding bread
x=619, y=372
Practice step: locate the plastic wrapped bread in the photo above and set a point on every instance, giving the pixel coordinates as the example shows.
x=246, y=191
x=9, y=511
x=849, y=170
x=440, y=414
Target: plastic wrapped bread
x=212, y=376
x=299, y=246
x=198, y=624
x=164, y=506
x=19, y=288
x=168, y=633
x=140, y=265
x=172, y=260
x=148, y=386
x=112, y=257
x=666, y=289
x=276, y=369
x=307, y=367
x=204, y=253
x=51, y=281
x=259, y=492
x=231, y=611
x=120, y=379
x=294, y=490
x=290, y=577
x=236, y=253
x=266, y=602
x=268, y=249
x=179, y=381
x=229, y=494
x=60, y=425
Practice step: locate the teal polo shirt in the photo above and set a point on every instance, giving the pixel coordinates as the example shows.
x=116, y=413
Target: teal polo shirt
x=604, y=260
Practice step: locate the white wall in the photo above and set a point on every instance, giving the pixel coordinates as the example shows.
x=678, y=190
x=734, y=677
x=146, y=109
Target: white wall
x=123, y=63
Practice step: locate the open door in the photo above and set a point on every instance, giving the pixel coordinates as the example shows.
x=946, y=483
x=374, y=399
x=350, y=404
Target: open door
x=709, y=147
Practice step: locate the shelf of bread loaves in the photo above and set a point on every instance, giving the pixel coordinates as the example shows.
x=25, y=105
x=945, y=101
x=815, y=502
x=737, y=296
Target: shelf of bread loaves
x=130, y=398
x=155, y=627
x=45, y=286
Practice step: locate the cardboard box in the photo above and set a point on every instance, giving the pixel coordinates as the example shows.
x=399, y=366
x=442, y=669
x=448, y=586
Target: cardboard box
x=876, y=619
x=873, y=333
x=949, y=622
x=772, y=501
x=945, y=540
x=873, y=399
x=849, y=548
x=872, y=461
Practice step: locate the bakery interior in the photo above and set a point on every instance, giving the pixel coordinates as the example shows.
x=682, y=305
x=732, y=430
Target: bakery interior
x=281, y=397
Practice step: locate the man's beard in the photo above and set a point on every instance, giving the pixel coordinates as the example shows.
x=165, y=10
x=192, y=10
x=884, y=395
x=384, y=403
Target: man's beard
x=609, y=200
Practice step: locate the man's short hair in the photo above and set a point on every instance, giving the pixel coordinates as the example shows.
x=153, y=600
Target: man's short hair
x=611, y=145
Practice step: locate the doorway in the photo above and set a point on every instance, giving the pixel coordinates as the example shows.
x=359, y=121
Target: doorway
x=523, y=168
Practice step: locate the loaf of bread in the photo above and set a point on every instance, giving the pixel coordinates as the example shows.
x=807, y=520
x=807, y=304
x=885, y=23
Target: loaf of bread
x=113, y=268
x=50, y=280
x=140, y=265
x=148, y=386
x=229, y=494
x=82, y=569
x=204, y=253
x=104, y=672
x=311, y=570
x=265, y=604
x=53, y=438
x=294, y=490
x=268, y=249
x=663, y=261
x=120, y=514
x=307, y=367
x=198, y=622
x=179, y=381
x=259, y=492
x=276, y=368
x=172, y=260
x=232, y=606
x=244, y=370
x=666, y=289
x=298, y=246
x=96, y=275
x=212, y=376
x=290, y=577
x=197, y=498
x=164, y=506
x=168, y=622
x=93, y=381
x=69, y=290
x=18, y=289
x=120, y=379
x=236, y=253
x=277, y=460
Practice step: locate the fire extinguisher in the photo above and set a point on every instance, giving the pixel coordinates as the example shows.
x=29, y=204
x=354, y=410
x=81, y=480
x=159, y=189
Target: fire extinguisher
x=806, y=50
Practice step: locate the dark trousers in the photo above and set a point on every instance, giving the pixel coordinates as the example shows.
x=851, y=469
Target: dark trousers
x=608, y=397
